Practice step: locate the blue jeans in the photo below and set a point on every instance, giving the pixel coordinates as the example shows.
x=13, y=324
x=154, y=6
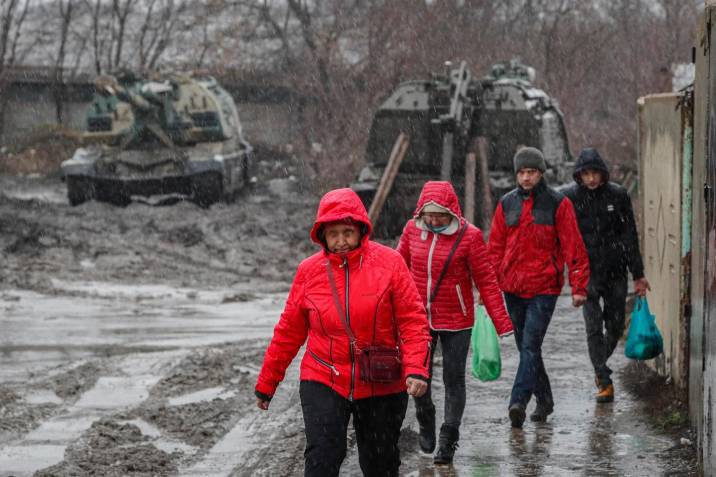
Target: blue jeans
x=530, y=319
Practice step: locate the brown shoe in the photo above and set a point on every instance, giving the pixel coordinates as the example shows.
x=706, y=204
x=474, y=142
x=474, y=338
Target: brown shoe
x=606, y=393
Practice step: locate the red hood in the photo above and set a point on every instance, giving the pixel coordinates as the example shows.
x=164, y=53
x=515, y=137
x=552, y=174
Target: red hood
x=442, y=193
x=340, y=204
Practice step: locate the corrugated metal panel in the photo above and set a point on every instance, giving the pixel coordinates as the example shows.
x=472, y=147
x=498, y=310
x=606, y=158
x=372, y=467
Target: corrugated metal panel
x=698, y=245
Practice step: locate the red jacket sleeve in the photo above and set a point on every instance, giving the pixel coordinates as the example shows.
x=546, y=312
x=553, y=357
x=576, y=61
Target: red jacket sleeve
x=288, y=336
x=404, y=244
x=572, y=247
x=496, y=241
x=483, y=274
x=412, y=323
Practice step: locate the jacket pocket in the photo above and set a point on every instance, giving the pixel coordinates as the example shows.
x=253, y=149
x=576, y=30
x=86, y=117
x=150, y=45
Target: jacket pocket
x=324, y=362
x=460, y=299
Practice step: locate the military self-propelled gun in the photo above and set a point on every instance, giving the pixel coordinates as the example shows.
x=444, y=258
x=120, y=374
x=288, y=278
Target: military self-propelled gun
x=442, y=117
x=174, y=135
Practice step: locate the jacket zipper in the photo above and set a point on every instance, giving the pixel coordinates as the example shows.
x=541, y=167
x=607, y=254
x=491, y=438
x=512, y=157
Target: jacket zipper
x=430, y=276
x=324, y=363
x=348, y=321
x=460, y=299
x=427, y=356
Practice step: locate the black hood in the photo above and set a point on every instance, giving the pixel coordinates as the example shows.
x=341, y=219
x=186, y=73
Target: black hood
x=590, y=159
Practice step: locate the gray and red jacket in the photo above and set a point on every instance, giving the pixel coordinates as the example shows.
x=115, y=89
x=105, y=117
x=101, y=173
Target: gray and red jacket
x=381, y=305
x=426, y=252
x=534, y=234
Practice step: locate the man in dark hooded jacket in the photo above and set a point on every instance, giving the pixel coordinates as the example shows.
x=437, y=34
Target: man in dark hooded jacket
x=606, y=221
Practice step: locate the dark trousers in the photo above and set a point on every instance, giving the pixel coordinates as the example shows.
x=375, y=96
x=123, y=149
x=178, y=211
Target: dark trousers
x=377, y=423
x=530, y=319
x=612, y=292
x=454, y=346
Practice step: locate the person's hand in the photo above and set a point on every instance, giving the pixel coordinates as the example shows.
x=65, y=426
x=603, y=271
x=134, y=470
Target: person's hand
x=578, y=300
x=262, y=404
x=416, y=387
x=641, y=286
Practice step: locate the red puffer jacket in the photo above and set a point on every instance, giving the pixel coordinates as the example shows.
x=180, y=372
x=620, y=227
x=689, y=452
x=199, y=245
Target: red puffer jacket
x=382, y=303
x=426, y=252
x=533, y=235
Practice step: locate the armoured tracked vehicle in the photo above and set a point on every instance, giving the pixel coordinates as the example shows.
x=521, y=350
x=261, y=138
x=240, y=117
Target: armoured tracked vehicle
x=442, y=116
x=175, y=135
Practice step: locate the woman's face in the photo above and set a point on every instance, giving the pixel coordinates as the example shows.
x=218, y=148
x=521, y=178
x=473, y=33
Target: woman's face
x=437, y=219
x=342, y=238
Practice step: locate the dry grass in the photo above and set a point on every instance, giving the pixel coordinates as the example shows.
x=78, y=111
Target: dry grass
x=40, y=152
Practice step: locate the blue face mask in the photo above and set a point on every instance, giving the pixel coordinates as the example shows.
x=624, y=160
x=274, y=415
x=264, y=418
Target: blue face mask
x=437, y=230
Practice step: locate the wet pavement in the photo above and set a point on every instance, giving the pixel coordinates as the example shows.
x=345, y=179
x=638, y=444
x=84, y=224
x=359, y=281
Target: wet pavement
x=130, y=342
x=136, y=337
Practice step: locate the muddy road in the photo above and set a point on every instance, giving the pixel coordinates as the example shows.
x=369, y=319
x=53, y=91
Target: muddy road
x=130, y=340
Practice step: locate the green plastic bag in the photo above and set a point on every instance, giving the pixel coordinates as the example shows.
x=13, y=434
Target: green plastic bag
x=644, y=340
x=486, y=361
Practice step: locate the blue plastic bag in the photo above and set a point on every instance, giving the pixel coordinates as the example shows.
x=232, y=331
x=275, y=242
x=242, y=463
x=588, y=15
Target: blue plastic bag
x=486, y=360
x=644, y=340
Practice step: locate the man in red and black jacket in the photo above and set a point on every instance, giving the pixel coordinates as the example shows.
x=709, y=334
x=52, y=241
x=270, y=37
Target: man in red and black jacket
x=534, y=234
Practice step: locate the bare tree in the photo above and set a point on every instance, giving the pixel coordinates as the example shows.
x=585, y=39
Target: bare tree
x=13, y=16
x=65, y=11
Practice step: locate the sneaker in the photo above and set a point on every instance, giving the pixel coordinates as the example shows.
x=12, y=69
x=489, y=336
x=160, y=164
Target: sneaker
x=606, y=393
x=517, y=415
x=541, y=412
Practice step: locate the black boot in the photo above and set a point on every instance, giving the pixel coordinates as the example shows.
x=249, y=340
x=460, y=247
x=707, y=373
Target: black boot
x=541, y=412
x=426, y=420
x=449, y=436
x=517, y=415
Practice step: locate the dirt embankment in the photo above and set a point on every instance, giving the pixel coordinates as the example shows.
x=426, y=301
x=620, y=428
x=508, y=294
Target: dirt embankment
x=260, y=237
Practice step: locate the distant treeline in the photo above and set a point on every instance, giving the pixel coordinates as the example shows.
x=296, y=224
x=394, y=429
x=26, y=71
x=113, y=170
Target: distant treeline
x=595, y=57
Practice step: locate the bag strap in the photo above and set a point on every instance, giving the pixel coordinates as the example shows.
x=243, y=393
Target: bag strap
x=447, y=263
x=337, y=303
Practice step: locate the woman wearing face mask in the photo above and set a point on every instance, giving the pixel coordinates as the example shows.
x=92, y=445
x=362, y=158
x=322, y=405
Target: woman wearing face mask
x=446, y=255
x=354, y=300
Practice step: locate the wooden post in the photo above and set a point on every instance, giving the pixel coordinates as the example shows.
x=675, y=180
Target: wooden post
x=386, y=181
x=470, y=161
x=446, y=165
x=485, y=188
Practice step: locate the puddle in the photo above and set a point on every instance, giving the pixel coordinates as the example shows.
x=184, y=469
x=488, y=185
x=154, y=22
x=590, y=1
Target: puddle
x=202, y=395
x=24, y=460
x=62, y=429
x=42, y=396
x=117, y=392
x=161, y=442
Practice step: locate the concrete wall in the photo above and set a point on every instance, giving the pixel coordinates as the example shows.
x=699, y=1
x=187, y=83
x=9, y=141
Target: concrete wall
x=662, y=132
x=272, y=122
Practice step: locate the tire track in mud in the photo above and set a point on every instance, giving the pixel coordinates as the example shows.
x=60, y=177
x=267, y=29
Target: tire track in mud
x=187, y=420
x=261, y=443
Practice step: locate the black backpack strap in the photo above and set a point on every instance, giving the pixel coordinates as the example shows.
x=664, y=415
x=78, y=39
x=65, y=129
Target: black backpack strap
x=447, y=263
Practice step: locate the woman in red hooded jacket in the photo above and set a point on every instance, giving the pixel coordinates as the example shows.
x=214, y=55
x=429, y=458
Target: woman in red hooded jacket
x=426, y=243
x=353, y=294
